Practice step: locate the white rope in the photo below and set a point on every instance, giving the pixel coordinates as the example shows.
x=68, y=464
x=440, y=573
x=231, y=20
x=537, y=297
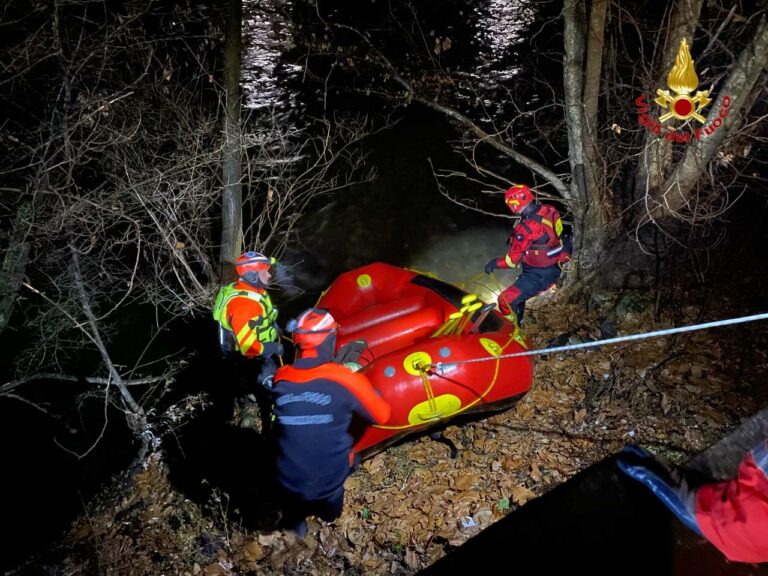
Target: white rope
x=655, y=334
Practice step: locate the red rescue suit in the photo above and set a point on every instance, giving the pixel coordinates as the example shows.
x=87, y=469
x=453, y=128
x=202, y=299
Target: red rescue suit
x=733, y=515
x=535, y=241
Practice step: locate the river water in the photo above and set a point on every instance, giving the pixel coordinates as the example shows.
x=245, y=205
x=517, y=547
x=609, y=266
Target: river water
x=401, y=217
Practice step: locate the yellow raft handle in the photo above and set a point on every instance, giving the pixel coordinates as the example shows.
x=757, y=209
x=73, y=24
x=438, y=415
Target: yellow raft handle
x=457, y=321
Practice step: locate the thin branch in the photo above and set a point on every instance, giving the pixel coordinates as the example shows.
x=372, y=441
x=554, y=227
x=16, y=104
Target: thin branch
x=492, y=139
x=96, y=339
x=13, y=384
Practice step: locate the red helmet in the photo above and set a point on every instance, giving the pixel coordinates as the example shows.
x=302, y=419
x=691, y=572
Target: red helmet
x=312, y=328
x=518, y=197
x=252, y=262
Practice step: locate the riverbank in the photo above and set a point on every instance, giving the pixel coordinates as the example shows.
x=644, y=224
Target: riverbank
x=408, y=506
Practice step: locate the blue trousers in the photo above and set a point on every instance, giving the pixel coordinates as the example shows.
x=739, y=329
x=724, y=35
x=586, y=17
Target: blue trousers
x=532, y=281
x=296, y=509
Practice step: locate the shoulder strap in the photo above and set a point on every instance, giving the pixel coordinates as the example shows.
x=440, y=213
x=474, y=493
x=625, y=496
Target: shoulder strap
x=550, y=218
x=223, y=297
x=527, y=228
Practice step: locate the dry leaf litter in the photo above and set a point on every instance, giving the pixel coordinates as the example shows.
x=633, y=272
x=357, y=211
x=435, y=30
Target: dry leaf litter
x=407, y=506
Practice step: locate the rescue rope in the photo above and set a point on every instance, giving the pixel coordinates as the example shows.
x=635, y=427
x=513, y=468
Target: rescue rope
x=641, y=336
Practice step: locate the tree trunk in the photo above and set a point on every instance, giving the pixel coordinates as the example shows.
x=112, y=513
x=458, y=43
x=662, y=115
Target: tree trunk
x=573, y=70
x=592, y=76
x=675, y=192
x=656, y=154
x=588, y=215
x=232, y=194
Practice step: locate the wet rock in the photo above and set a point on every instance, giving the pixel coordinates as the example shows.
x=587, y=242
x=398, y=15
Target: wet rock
x=246, y=422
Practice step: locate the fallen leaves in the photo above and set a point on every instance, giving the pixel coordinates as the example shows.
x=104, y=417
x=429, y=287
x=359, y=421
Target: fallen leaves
x=405, y=504
x=520, y=495
x=253, y=551
x=535, y=472
x=466, y=480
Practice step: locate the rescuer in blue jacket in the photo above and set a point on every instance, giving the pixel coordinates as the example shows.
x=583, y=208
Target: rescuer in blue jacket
x=314, y=401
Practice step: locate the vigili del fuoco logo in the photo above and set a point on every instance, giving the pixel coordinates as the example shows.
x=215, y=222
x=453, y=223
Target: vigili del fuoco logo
x=680, y=103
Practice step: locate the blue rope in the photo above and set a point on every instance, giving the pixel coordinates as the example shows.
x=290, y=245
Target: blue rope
x=642, y=336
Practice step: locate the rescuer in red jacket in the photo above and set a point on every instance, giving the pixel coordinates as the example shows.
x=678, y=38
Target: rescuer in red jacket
x=732, y=515
x=314, y=401
x=535, y=245
x=247, y=319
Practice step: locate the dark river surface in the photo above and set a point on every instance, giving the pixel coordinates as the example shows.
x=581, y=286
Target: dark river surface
x=401, y=217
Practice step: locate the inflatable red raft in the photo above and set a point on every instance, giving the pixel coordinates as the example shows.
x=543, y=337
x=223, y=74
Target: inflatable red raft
x=412, y=322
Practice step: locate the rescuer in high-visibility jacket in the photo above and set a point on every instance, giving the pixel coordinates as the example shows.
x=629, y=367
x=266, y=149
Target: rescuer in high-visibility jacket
x=536, y=244
x=246, y=316
x=314, y=402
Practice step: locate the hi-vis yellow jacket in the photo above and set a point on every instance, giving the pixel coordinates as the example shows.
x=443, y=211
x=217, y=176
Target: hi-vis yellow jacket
x=247, y=313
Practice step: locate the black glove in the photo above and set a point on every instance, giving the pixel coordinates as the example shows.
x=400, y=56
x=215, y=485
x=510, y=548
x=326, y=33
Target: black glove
x=491, y=266
x=272, y=349
x=350, y=352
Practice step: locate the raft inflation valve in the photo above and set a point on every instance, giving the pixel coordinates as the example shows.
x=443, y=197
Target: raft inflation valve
x=364, y=280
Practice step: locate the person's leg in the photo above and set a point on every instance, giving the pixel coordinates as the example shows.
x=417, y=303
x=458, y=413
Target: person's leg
x=265, y=395
x=295, y=510
x=244, y=401
x=330, y=508
x=515, y=297
x=255, y=403
x=507, y=299
x=532, y=281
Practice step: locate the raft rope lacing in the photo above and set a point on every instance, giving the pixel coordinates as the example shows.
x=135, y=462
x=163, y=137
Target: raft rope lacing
x=641, y=336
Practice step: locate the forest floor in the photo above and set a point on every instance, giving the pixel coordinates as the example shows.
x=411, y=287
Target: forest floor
x=407, y=506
